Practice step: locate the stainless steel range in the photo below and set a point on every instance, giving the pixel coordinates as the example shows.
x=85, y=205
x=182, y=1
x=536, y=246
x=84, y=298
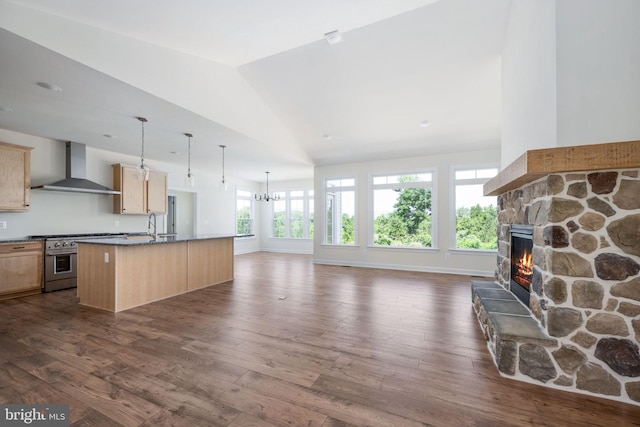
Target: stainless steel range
x=61, y=258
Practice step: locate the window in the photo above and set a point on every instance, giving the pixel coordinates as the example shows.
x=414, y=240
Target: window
x=340, y=220
x=476, y=215
x=402, y=210
x=244, y=212
x=279, y=216
x=292, y=215
x=310, y=221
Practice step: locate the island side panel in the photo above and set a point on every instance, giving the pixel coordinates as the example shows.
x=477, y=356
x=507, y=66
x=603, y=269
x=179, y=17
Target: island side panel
x=97, y=276
x=149, y=273
x=210, y=262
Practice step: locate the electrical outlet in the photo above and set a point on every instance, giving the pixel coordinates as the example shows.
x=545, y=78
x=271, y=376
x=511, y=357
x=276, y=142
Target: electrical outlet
x=3, y=225
x=106, y=257
x=116, y=223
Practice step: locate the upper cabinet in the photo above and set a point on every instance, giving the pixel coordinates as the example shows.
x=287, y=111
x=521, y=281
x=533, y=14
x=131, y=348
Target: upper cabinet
x=157, y=192
x=139, y=196
x=15, y=177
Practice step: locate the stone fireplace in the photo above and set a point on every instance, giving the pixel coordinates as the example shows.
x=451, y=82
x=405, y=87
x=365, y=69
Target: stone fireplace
x=581, y=331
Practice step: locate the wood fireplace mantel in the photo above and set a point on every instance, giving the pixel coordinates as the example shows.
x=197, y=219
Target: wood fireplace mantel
x=535, y=164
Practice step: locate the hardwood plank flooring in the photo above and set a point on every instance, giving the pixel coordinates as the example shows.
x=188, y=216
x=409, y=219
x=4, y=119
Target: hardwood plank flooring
x=286, y=343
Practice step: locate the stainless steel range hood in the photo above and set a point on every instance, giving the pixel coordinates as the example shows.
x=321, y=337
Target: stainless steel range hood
x=76, y=180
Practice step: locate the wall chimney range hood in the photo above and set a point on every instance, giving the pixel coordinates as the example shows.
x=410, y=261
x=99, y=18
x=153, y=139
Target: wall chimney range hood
x=76, y=180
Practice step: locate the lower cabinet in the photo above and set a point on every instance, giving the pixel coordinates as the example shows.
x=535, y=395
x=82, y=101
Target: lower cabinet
x=21, y=269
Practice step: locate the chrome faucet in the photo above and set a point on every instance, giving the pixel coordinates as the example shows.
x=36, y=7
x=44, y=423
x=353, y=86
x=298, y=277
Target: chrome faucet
x=155, y=229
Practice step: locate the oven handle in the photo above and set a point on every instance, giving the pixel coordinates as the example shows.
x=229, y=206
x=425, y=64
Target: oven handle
x=53, y=253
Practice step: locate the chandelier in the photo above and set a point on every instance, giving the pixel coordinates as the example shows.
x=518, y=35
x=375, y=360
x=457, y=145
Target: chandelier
x=143, y=170
x=266, y=197
x=189, y=179
x=224, y=185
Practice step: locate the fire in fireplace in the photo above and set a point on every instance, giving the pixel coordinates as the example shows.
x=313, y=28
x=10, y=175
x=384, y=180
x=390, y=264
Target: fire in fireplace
x=521, y=261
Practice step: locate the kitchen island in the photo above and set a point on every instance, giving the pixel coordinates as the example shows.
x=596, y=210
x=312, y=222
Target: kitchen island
x=118, y=274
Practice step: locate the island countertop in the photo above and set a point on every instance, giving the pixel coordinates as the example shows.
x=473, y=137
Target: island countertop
x=120, y=273
x=143, y=239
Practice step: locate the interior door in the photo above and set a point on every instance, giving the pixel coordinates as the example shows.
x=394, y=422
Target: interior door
x=171, y=214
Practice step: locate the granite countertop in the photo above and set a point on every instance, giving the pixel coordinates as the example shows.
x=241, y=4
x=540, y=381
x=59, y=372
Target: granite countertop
x=19, y=239
x=137, y=240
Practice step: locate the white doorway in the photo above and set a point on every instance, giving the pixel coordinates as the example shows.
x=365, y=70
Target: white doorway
x=181, y=213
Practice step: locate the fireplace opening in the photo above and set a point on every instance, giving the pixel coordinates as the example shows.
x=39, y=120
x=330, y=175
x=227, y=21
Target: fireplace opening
x=521, y=261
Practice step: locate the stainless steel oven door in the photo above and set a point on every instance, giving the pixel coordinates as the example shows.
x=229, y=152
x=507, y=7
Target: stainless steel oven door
x=60, y=266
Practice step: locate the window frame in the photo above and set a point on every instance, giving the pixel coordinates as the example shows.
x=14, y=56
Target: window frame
x=371, y=211
x=325, y=193
x=285, y=195
x=454, y=211
x=249, y=197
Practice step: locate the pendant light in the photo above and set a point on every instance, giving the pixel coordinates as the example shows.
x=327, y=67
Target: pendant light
x=224, y=185
x=189, y=179
x=143, y=171
x=266, y=197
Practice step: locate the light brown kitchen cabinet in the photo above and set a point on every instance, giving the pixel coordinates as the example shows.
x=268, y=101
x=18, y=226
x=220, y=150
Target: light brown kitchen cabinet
x=15, y=177
x=139, y=197
x=21, y=269
x=157, y=192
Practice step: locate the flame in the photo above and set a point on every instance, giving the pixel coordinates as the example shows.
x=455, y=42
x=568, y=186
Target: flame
x=524, y=266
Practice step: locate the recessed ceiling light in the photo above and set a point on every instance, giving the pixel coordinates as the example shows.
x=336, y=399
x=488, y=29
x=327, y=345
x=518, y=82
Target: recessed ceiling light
x=106, y=135
x=6, y=109
x=175, y=153
x=327, y=136
x=333, y=37
x=425, y=123
x=50, y=86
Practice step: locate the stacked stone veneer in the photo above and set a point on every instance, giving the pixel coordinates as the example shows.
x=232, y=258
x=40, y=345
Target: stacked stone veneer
x=586, y=283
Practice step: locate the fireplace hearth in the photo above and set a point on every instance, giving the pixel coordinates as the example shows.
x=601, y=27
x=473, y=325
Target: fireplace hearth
x=521, y=262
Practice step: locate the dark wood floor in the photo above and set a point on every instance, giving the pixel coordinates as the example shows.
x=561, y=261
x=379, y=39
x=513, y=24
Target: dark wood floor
x=286, y=343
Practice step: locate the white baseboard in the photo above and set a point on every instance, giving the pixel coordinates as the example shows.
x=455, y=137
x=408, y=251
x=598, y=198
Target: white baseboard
x=421, y=268
x=287, y=251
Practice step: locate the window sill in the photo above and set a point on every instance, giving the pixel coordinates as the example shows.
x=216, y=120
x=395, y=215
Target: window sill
x=402, y=248
x=481, y=252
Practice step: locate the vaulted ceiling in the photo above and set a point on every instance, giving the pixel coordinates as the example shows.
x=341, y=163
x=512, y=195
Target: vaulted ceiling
x=256, y=76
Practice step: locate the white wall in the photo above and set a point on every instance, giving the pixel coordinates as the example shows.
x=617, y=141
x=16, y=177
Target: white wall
x=598, y=74
x=441, y=258
x=529, y=79
x=61, y=212
x=570, y=74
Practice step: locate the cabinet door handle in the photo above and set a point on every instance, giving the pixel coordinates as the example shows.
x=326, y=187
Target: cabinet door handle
x=19, y=247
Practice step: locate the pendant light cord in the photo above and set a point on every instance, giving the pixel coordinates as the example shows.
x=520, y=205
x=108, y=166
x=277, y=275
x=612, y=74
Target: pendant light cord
x=142, y=121
x=189, y=154
x=223, y=147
